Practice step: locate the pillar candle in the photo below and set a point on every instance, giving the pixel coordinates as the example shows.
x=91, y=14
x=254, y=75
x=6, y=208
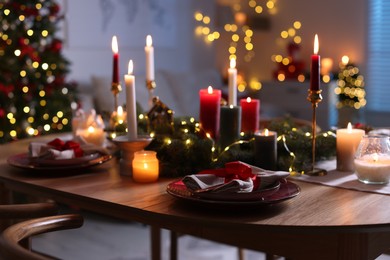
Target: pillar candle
x=210, y=109
x=145, y=166
x=315, y=67
x=92, y=135
x=250, y=115
x=149, y=52
x=347, y=141
x=230, y=125
x=130, y=103
x=115, y=70
x=265, y=152
x=232, y=75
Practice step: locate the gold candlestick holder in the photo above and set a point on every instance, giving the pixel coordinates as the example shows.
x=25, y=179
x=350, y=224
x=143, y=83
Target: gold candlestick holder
x=115, y=89
x=151, y=86
x=314, y=97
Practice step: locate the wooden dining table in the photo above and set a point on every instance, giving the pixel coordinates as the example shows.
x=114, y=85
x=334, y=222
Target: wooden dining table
x=321, y=222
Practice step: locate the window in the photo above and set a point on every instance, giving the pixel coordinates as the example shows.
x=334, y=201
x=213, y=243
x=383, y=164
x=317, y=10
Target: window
x=378, y=56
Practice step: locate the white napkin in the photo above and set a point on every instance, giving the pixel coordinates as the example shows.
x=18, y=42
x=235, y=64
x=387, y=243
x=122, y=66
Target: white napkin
x=46, y=151
x=215, y=184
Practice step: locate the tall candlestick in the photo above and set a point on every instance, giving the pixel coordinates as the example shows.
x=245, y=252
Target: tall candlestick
x=210, y=109
x=115, y=70
x=347, y=142
x=149, y=51
x=250, y=118
x=315, y=67
x=232, y=73
x=130, y=103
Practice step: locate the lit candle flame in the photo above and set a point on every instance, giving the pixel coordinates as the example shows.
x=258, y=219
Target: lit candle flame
x=114, y=45
x=316, y=45
x=145, y=165
x=120, y=110
x=91, y=129
x=210, y=90
x=349, y=127
x=130, y=67
x=375, y=157
x=345, y=60
x=232, y=63
x=149, y=41
x=266, y=133
x=248, y=99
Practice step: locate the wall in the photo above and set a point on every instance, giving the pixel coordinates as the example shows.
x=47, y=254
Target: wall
x=341, y=26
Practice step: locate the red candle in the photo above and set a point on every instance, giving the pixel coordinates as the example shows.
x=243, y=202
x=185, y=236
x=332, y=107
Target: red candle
x=115, y=71
x=210, y=109
x=250, y=115
x=315, y=67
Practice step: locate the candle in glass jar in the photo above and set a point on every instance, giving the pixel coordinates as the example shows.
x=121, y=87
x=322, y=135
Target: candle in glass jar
x=92, y=135
x=265, y=149
x=145, y=166
x=210, y=110
x=373, y=168
x=250, y=115
x=347, y=141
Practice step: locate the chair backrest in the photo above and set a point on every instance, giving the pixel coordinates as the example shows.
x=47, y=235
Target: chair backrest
x=31, y=210
x=10, y=247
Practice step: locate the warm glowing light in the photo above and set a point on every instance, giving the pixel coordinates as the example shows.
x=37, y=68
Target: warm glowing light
x=130, y=67
x=7, y=11
x=258, y=9
x=349, y=127
x=248, y=99
x=281, y=77
x=91, y=129
x=316, y=45
x=149, y=41
x=45, y=33
x=206, y=20
x=266, y=132
x=114, y=44
x=17, y=53
x=210, y=90
x=235, y=37
x=198, y=16
x=232, y=63
x=297, y=25
x=345, y=59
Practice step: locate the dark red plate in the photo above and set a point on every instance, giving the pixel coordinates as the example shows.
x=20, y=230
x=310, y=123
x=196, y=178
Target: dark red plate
x=285, y=191
x=25, y=162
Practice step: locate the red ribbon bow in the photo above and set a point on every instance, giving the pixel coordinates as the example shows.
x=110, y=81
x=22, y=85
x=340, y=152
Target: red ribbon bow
x=60, y=145
x=235, y=171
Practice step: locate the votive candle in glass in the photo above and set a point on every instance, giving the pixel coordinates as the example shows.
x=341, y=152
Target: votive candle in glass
x=145, y=166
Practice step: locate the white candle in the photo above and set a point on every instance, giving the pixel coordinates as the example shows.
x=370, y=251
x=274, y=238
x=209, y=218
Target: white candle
x=149, y=51
x=347, y=141
x=130, y=103
x=373, y=168
x=92, y=135
x=232, y=75
x=145, y=166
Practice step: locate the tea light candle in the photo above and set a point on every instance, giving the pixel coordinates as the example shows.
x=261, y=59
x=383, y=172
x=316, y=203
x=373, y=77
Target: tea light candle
x=145, y=166
x=92, y=135
x=373, y=168
x=266, y=149
x=250, y=115
x=347, y=141
x=210, y=110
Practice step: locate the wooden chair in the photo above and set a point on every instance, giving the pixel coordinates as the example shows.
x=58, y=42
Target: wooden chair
x=10, y=247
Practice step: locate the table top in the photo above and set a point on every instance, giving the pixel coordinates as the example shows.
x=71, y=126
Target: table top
x=318, y=212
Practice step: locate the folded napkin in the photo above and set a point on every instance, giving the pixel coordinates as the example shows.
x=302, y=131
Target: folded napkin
x=58, y=149
x=236, y=177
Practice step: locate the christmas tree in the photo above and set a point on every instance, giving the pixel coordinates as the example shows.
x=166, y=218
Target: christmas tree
x=35, y=97
x=350, y=86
